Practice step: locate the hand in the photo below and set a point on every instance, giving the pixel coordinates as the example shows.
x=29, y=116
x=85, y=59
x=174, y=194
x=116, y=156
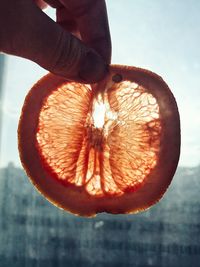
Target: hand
x=77, y=47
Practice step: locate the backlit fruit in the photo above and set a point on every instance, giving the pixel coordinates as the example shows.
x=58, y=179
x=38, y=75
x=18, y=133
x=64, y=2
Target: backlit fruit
x=111, y=147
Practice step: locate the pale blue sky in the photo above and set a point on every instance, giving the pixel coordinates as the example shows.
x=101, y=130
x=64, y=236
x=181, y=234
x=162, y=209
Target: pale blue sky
x=163, y=36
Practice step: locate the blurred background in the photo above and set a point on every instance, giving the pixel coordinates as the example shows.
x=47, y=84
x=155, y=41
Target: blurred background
x=162, y=36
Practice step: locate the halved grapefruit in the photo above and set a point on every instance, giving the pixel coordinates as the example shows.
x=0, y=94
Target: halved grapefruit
x=113, y=147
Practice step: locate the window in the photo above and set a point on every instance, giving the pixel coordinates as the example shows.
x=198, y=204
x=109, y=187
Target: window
x=162, y=36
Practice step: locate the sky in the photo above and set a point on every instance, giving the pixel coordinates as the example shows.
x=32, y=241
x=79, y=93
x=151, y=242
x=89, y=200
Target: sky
x=162, y=36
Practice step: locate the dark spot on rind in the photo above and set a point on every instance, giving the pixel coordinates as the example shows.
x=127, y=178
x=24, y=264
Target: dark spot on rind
x=117, y=78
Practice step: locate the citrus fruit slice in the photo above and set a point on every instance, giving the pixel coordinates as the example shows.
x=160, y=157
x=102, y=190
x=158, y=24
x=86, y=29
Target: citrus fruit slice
x=111, y=148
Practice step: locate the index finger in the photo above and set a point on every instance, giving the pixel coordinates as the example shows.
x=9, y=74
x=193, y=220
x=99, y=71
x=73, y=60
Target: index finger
x=92, y=21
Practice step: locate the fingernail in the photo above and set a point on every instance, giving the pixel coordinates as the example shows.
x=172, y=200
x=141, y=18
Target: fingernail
x=93, y=68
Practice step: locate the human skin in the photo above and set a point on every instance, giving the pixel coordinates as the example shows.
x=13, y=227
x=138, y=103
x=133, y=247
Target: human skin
x=77, y=46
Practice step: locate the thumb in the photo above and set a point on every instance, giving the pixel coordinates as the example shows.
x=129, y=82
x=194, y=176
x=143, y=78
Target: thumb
x=43, y=41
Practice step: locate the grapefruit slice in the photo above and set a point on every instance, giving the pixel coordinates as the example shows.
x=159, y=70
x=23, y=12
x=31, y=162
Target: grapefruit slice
x=111, y=148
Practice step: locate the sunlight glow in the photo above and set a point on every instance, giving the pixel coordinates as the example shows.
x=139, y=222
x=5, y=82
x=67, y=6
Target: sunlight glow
x=99, y=114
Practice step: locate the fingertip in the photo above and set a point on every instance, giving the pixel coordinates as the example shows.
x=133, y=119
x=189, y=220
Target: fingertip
x=92, y=68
